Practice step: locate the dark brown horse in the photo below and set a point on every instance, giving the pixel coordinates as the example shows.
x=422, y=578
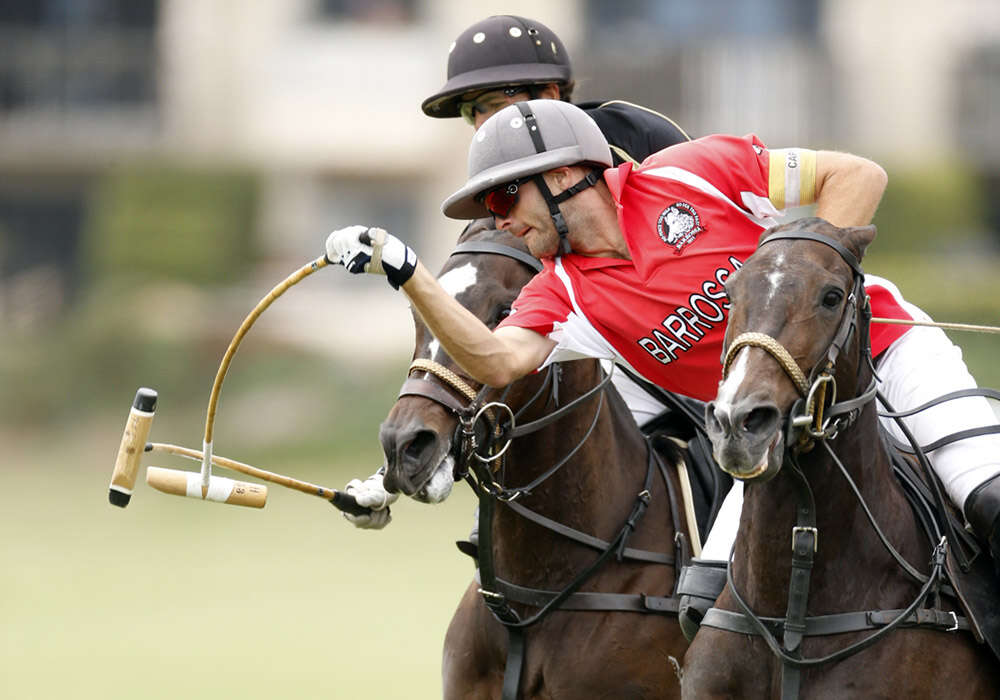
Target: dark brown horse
x=589, y=470
x=811, y=581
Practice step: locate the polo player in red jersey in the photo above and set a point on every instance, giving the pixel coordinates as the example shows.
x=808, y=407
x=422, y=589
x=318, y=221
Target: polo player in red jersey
x=635, y=261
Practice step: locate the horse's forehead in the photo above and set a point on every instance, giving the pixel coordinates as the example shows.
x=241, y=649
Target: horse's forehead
x=777, y=277
x=768, y=271
x=780, y=265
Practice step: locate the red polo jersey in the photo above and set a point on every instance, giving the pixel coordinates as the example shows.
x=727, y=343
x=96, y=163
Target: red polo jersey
x=690, y=214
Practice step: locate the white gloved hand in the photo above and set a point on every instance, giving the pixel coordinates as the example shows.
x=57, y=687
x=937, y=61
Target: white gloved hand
x=370, y=493
x=363, y=249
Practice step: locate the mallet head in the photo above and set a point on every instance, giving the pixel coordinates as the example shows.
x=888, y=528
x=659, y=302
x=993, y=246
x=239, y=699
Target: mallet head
x=140, y=418
x=220, y=489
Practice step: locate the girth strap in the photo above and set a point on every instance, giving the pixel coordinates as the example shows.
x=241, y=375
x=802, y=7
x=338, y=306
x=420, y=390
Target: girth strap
x=590, y=601
x=839, y=623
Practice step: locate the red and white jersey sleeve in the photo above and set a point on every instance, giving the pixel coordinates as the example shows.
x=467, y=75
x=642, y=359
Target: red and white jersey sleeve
x=887, y=302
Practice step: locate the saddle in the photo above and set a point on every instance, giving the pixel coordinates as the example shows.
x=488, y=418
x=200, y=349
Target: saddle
x=709, y=484
x=683, y=423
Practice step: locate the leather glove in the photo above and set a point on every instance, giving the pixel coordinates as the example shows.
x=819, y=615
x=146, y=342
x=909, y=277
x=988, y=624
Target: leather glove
x=372, y=250
x=370, y=493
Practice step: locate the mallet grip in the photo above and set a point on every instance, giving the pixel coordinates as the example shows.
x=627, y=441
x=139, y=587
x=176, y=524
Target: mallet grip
x=140, y=418
x=346, y=503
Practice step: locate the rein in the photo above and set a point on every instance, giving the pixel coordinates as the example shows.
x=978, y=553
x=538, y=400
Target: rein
x=812, y=427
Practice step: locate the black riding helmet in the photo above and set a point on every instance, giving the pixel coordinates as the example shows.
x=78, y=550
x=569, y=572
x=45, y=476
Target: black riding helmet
x=500, y=51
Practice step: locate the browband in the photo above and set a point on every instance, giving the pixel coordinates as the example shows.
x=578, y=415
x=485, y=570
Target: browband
x=847, y=255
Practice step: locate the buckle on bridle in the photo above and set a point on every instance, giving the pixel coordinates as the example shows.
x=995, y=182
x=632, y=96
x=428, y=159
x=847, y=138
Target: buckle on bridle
x=491, y=595
x=504, y=495
x=812, y=419
x=954, y=622
x=800, y=529
x=496, y=432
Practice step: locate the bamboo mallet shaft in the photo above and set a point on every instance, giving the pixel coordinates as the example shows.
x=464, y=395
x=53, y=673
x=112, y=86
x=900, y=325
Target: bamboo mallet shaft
x=280, y=479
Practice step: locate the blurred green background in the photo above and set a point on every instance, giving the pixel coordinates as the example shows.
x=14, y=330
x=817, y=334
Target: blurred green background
x=164, y=163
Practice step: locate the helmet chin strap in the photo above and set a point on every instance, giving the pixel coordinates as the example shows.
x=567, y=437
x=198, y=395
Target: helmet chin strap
x=589, y=180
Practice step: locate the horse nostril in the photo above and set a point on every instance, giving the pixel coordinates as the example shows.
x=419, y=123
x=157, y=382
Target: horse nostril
x=421, y=442
x=711, y=419
x=760, y=419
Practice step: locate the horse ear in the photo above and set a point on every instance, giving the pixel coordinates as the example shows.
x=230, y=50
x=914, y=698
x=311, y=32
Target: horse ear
x=858, y=238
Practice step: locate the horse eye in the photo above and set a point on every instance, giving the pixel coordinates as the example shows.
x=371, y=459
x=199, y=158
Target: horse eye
x=832, y=298
x=503, y=313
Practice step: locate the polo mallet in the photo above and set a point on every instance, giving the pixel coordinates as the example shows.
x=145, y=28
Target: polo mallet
x=204, y=485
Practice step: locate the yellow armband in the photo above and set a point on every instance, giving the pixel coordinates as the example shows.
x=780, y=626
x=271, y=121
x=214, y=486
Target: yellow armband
x=792, y=180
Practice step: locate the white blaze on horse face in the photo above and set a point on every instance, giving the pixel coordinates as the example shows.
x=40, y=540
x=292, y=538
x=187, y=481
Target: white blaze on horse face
x=454, y=282
x=730, y=386
x=774, y=279
x=459, y=279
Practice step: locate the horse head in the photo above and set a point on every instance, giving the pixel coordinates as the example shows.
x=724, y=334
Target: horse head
x=421, y=435
x=796, y=331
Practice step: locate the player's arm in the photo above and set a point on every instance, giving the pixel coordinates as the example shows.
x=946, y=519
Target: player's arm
x=495, y=358
x=848, y=188
x=845, y=188
x=492, y=358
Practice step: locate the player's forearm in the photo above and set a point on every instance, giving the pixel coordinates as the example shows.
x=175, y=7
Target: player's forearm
x=848, y=188
x=481, y=354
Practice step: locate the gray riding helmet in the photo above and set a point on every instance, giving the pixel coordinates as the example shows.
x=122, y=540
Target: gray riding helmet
x=510, y=145
x=500, y=51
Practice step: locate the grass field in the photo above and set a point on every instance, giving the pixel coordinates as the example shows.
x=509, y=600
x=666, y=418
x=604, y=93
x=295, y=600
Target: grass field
x=175, y=598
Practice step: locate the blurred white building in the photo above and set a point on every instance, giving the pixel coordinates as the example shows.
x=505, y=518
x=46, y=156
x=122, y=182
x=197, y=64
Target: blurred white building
x=321, y=99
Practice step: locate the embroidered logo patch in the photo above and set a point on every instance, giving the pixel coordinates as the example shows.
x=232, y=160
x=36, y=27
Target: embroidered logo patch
x=678, y=225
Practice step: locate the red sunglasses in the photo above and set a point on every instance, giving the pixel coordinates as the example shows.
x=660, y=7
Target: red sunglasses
x=500, y=200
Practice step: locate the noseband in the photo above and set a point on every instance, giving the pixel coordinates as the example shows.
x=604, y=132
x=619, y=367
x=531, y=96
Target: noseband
x=807, y=415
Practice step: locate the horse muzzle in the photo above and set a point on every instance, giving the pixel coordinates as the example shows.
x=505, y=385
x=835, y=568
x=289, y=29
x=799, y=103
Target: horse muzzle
x=747, y=439
x=418, y=460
